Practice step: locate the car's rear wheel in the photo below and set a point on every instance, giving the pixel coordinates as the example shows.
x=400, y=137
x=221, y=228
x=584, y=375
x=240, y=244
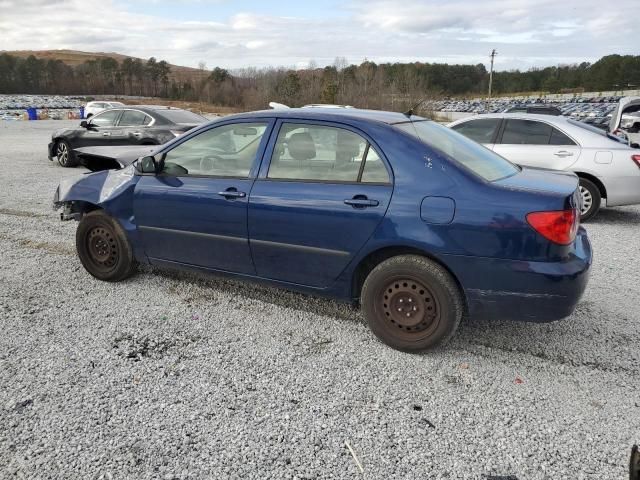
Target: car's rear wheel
x=65, y=155
x=590, y=199
x=411, y=303
x=103, y=247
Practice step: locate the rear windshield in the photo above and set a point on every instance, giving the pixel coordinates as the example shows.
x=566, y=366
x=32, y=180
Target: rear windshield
x=182, y=117
x=597, y=130
x=475, y=157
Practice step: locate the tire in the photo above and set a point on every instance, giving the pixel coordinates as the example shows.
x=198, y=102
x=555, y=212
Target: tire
x=590, y=201
x=64, y=153
x=103, y=247
x=422, y=290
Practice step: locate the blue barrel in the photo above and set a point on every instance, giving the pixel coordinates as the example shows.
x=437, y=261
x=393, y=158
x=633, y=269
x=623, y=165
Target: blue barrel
x=81, y=112
x=33, y=113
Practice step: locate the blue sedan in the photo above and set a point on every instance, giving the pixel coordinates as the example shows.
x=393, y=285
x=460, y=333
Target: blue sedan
x=414, y=221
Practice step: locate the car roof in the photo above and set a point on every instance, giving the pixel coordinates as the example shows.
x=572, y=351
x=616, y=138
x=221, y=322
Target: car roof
x=331, y=114
x=151, y=107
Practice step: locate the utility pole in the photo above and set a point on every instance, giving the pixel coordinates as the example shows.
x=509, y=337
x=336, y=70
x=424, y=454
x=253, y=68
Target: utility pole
x=493, y=55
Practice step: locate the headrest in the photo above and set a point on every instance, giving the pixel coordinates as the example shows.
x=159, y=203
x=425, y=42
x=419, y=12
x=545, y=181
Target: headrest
x=301, y=146
x=348, y=145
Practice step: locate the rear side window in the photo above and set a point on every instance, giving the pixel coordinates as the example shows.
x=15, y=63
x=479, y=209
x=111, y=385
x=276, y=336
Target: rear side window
x=105, y=119
x=131, y=118
x=481, y=131
x=322, y=153
x=526, y=132
x=559, y=138
x=480, y=160
x=182, y=117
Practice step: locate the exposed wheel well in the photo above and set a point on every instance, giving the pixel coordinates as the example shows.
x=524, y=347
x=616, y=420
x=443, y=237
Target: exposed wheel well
x=75, y=209
x=375, y=258
x=595, y=181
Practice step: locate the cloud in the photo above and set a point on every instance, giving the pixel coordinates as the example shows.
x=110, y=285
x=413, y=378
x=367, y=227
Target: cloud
x=525, y=32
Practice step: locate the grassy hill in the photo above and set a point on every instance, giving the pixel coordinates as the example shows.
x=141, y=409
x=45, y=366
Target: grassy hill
x=76, y=57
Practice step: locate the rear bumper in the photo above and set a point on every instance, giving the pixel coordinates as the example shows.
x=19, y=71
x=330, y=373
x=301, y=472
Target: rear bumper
x=51, y=150
x=623, y=190
x=525, y=291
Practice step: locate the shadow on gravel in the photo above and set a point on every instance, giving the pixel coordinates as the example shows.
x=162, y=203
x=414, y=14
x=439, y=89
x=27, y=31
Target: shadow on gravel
x=583, y=339
x=615, y=216
x=197, y=288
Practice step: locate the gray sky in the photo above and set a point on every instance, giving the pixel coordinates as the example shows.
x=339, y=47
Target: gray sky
x=242, y=33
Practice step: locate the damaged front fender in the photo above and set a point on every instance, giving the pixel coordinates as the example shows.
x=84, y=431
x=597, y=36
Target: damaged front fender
x=109, y=190
x=99, y=188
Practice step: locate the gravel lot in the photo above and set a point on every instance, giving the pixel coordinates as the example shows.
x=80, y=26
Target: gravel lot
x=175, y=376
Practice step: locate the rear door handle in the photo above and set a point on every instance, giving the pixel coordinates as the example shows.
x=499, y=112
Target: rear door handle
x=232, y=193
x=361, y=202
x=106, y=134
x=137, y=134
x=563, y=153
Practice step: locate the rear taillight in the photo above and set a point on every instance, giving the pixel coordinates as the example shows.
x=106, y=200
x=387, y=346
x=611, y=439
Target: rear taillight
x=636, y=159
x=559, y=226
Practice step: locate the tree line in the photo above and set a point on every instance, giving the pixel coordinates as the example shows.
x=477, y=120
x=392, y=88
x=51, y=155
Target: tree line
x=392, y=86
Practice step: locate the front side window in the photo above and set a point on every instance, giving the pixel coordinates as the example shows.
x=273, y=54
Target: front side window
x=526, y=132
x=225, y=151
x=475, y=157
x=132, y=118
x=481, y=131
x=105, y=119
x=322, y=153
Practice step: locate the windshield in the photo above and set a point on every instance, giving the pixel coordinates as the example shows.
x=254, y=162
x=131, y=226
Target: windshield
x=182, y=117
x=475, y=157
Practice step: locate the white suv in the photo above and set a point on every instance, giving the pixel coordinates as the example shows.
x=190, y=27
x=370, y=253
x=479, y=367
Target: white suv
x=91, y=108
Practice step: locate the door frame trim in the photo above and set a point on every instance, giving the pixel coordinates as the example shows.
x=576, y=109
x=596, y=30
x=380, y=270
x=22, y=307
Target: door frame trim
x=302, y=248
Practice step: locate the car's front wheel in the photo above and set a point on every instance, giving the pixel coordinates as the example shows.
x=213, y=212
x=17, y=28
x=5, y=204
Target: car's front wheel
x=103, y=247
x=65, y=155
x=411, y=303
x=590, y=199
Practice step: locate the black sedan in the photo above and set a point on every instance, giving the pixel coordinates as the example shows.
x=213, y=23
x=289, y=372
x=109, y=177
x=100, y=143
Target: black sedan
x=128, y=125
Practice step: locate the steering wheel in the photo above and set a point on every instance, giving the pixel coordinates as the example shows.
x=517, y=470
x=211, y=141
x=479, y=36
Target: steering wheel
x=208, y=162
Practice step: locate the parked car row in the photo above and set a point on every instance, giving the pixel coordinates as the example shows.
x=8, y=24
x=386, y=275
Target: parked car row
x=592, y=110
x=21, y=102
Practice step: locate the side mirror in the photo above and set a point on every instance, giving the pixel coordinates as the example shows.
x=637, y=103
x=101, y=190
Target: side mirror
x=147, y=165
x=84, y=124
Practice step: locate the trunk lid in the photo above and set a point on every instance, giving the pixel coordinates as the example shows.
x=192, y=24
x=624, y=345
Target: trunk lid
x=542, y=180
x=616, y=116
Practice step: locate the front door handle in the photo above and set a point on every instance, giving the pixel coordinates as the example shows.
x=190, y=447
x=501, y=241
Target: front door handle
x=106, y=134
x=361, y=201
x=232, y=192
x=563, y=153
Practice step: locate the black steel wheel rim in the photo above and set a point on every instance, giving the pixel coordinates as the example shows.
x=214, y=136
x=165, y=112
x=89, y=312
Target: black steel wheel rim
x=410, y=310
x=102, y=248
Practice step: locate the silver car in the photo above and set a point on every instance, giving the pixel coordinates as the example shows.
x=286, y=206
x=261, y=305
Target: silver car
x=609, y=169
